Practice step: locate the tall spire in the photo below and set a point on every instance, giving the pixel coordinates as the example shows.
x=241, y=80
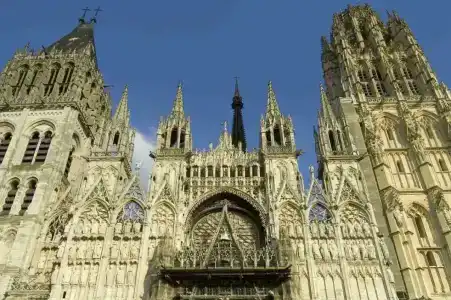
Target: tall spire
x=122, y=109
x=327, y=113
x=272, y=107
x=177, y=108
x=238, y=134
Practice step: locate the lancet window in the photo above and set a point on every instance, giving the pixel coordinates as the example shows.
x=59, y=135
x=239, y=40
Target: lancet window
x=378, y=81
x=10, y=197
x=37, y=72
x=57, y=228
x=50, y=85
x=29, y=195
x=174, y=138
x=68, y=72
x=68, y=163
x=33, y=143
x=4, y=145
x=364, y=80
x=116, y=139
x=23, y=72
x=44, y=147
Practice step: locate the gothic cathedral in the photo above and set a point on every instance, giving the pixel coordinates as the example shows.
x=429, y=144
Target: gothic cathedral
x=374, y=223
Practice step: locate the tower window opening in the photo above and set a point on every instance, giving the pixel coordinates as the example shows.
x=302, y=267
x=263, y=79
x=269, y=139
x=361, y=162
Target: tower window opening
x=366, y=89
x=255, y=171
x=224, y=171
x=429, y=132
x=413, y=87
x=240, y=171
x=390, y=135
x=363, y=77
x=22, y=76
x=116, y=139
x=52, y=79
x=333, y=145
x=195, y=171
x=218, y=171
x=35, y=76
x=68, y=71
x=202, y=172
x=210, y=171
x=31, y=149
x=232, y=172
x=173, y=141
x=442, y=165
x=277, y=136
x=247, y=172
x=29, y=195
x=381, y=90
x=268, y=137
x=420, y=226
x=430, y=259
x=9, y=200
x=44, y=147
x=188, y=172
x=340, y=141
x=400, y=166
x=182, y=139
x=407, y=73
x=397, y=74
x=68, y=163
x=4, y=145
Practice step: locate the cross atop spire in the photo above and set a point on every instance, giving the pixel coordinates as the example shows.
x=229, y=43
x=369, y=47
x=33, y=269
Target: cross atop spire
x=97, y=10
x=83, y=16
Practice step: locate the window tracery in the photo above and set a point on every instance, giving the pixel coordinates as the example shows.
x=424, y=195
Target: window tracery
x=130, y=219
x=163, y=221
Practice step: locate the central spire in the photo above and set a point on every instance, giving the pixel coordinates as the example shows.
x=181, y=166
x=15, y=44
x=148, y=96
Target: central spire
x=238, y=134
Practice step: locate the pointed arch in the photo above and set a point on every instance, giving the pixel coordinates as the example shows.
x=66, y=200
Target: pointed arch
x=352, y=211
x=92, y=218
x=162, y=219
x=291, y=220
x=227, y=190
x=57, y=226
x=131, y=209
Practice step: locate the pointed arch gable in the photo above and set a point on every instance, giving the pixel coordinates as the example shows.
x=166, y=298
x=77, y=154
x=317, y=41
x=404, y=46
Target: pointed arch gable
x=124, y=202
x=95, y=201
x=316, y=194
x=132, y=191
x=348, y=190
x=42, y=122
x=353, y=210
x=418, y=208
x=161, y=189
x=227, y=190
x=98, y=191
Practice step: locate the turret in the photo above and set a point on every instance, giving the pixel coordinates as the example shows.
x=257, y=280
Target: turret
x=174, y=132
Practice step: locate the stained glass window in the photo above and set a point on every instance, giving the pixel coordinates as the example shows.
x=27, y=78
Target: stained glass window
x=319, y=213
x=132, y=212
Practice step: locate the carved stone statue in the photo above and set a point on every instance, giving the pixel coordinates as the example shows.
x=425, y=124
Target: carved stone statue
x=98, y=249
x=398, y=216
x=371, y=250
x=114, y=250
x=131, y=275
x=351, y=231
x=358, y=230
x=120, y=275
x=330, y=231
x=93, y=275
x=366, y=230
x=316, y=252
x=301, y=250
x=333, y=250
x=325, y=251
x=75, y=275
x=55, y=273
x=344, y=230
x=110, y=275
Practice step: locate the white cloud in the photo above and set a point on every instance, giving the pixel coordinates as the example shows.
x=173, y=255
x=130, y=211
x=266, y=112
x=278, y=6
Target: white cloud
x=143, y=144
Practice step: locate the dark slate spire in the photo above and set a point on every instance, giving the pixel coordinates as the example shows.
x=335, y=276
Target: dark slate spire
x=238, y=134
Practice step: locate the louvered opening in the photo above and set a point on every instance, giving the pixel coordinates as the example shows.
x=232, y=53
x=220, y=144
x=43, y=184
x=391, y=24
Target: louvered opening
x=44, y=148
x=31, y=148
x=4, y=146
x=68, y=164
x=29, y=194
x=9, y=200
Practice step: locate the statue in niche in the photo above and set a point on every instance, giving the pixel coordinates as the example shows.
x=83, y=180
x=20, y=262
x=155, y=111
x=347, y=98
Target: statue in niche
x=299, y=231
x=78, y=229
x=134, y=249
x=86, y=227
x=322, y=230
x=95, y=226
x=366, y=230
x=55, y=273
x=137, y=227
x=120, y=275
x=72, y=252
x=314, y=229
x=371, y=250
x=131, y=274
x=81, y=250
x=363, y=251
x=355, y=251
x=291, y=232
x=93, y=275
x=315, y=251
x=333, y=250
x=84, y=274
x=398, y=216
x=75, y=275
x=125, y=251
x=127, y=227
x=358, y=230
x=348, y=250
x=102, y=227
x=351, y=231
x=42, y=259
x=301, y=250
x=67, y=275
x=118, y=227
x=98, y=249
x=344, y=230
x=110, y=275
x=385, y=253
x=89, y=250
x=114, y=250
x=330, y=231
x=325, y=251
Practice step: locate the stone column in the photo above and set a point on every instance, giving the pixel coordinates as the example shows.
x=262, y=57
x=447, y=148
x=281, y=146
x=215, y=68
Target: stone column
x=141, y=270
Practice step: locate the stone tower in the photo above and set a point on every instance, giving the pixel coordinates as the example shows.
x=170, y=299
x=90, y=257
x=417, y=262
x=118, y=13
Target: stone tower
x=385, y=121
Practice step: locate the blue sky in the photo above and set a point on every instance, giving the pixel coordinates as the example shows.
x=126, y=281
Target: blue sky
x=151, y=45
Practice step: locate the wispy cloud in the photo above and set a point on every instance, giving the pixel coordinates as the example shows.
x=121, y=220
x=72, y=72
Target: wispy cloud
x=144, y=142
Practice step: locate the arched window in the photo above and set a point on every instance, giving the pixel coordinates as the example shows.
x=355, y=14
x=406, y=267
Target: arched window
x=240, y=171
x=390, y=135
x=182, y=138
x=116, y=139
x=340, y=142
x=364, y=81
x=29, y=195
x=4, y=145
x=333, y=145
x=247, y=171
x=210, y=171
x=37, y=72
x=50, y=85
x=268, y=137
x=9, y=200
x=277, y=136
x=68, y=72
x=400, y=166
x=442, y=165
x=174, y=137
x=188, y=172
x=31, y=149
x=255, y=171
x=195, y=171
x=68, y=163
x=44, y=147
x=420, y=226
x=429, y=132
x=23, y=71
x=430, y=259
x=318, y=212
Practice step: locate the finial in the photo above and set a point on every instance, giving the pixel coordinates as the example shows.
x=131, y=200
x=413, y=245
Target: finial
x=82, y=18
x=312, y=170
x=97, y=10
x=224, y=124
x=237, y=90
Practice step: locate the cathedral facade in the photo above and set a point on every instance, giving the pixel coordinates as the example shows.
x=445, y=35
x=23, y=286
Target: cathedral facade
x=225, y=222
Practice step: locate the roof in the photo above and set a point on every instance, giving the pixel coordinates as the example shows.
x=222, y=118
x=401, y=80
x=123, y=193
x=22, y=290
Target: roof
x=77, y=40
